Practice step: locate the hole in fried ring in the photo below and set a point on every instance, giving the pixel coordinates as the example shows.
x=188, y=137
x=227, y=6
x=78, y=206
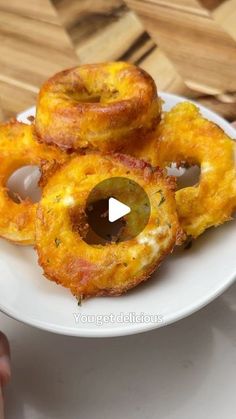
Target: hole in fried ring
x=96, y=215
x=185, y=176
x=23, y=184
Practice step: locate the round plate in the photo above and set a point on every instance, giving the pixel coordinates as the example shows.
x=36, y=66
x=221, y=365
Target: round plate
x=186, y=281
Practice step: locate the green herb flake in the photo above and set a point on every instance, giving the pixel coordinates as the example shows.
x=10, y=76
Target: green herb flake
x=161, y=201
x=57, y=242
x=79, y=300
x=159, y=191
x=162, y=197
x=57, y=198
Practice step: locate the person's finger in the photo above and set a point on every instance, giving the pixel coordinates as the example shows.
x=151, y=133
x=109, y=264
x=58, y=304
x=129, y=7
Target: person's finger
x=5, y=368
x=234, y=124
x=1, y=404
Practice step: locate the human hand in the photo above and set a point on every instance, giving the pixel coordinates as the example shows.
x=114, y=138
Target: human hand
x=5, y=371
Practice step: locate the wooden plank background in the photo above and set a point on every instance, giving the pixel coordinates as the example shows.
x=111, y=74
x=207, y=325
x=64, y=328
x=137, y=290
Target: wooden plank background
x=33, y=45
x=188, y=46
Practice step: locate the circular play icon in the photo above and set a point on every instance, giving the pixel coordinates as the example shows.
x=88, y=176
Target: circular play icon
x=117, y=209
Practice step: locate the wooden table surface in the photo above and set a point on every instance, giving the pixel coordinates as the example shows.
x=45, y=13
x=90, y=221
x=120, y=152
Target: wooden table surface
x=188, y=46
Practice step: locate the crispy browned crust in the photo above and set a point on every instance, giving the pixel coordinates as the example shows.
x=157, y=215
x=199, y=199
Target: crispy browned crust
x=19, y=147
x=97, y=106
x=116, y=292
x=95, y=270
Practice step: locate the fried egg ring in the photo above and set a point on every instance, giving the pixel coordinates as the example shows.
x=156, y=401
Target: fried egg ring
x=184, y=136
x=97, y=106
x=18, y=148
x=90, y=270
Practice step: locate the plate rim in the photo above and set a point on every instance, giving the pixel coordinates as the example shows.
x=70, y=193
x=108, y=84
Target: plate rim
x=135, y=328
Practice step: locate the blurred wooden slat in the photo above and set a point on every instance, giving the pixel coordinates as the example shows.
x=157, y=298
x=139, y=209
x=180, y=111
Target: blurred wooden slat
x=110, y=30
x=35, y=9
x=164, y=73
x=100, y=46
x=33, y=46
x=225, y=15
x=203, y=53
x=39, y=37
x=103, y=30
x=211, y=4
x=15, y=98
x=84, y=17
x=116, y=34
x=227, y=110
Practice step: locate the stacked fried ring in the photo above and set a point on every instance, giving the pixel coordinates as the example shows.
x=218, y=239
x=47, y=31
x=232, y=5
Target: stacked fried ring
x=112, y=269
x=19, y=147
x=84, y=116
x=99, y=106
x=185, y=138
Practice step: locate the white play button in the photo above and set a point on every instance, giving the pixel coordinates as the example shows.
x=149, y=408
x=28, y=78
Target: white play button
x=116, y=210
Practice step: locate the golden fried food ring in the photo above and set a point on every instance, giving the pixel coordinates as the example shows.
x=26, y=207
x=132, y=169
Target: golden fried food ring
x=18, y=147
x=184, y=136
x=88, y=269
x=97, y=106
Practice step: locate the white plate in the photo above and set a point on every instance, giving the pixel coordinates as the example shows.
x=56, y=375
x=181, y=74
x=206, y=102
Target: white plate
x=186, y=281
